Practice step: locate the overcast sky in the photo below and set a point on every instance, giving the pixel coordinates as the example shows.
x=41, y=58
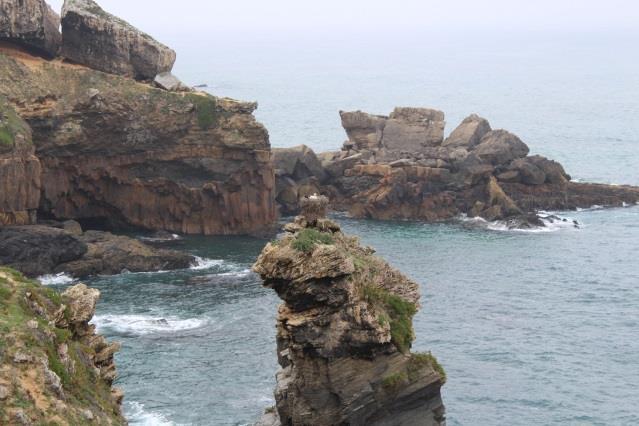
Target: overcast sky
x=237, y=18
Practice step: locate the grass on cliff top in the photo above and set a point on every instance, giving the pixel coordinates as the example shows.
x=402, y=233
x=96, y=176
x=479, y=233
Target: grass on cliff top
x=306, y=239
x=206, y=109
x=6, y=136
x=82, y=388
x=413, y=371
x=394, y=310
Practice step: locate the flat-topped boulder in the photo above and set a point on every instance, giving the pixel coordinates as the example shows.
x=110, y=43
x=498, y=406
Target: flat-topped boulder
x=469, y=133
x=31, y=23
x=99, y=40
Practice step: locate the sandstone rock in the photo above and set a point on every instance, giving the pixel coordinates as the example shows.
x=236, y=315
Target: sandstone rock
x=82, y=303
x=555, y=173
x=19, y=170
x=168, y=81
x=343, y=360
x=363, y=130
x=468, y=133
x=99, y=40
x=527, y=171
x=500, y=147
x=136, y=156
x=299, y=162
x=31, y=23
x=338, y=167
x=411, y=129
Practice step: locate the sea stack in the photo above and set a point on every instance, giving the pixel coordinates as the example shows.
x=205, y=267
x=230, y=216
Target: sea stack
x=344, y=332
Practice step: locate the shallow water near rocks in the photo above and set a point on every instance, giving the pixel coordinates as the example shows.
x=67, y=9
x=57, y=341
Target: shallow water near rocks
x=532, y=328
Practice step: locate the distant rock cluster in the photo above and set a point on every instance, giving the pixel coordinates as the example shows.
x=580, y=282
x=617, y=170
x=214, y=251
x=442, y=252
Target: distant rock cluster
x=402, y=167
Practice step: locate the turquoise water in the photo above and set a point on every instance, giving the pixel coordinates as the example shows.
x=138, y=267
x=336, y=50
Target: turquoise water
x=532, y=328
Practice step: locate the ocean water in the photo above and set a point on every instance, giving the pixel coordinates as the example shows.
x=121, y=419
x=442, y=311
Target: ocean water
x=532, y=327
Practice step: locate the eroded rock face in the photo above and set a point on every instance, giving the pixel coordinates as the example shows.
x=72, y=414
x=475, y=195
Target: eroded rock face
x=19, y=170
x=120, y=153
x=99, y=40
x=54, y=367
x=469, y=133
x=344, y=332
x=31, y=23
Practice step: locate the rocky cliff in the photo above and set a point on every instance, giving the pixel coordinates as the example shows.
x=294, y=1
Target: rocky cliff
x=344, y=332
x=32, y=24
x=402, y=167
x=54, y=368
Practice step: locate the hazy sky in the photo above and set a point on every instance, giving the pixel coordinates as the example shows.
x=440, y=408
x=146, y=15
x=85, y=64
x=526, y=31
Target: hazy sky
x=238, y=18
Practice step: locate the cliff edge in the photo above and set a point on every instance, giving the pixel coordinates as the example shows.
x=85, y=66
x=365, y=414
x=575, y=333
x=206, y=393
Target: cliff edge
x=344, y=332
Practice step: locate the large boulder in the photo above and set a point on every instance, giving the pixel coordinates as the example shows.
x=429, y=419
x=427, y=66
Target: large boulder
x=299, y=162
x=469, y=133
x=553, y=170
x=31, y=23
x=99, y=40
x=19, y=170
x=500, y=147
x=412, y=129
x=527, y=171
x=364, y=130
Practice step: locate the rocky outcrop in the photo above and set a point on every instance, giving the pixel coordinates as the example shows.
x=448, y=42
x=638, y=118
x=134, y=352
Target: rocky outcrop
x=116, y=152
x=99, y=40
x=31, y=23
x=19, y=170
x=298, y=173
x=54, y=368
x=476, y=171
x=344, y=332
x=39, y=250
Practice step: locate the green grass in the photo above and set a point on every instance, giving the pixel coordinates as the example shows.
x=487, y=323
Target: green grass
x=400, y=313
x=306, y=240
x=6, y=137
x=420, y=360
x=206, y=109
x=394, y=381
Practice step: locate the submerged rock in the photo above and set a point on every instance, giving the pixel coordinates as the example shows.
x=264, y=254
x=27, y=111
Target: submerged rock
x=344, y=332
x=99, y=40
x=54, y=367
x=31, y=23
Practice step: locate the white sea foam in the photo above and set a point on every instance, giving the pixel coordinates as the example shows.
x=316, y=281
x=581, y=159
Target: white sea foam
x=137, y=415
x=139, y=325
x=551, y=221
x=239, y=274
x=202, y=263
x=55, y=279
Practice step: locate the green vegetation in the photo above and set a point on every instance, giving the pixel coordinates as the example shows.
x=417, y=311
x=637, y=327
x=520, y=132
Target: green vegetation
x=306, y=240
x=394, y=381
x=419, y=360
x=206, y=109
x=6, y=136
x=399, y=311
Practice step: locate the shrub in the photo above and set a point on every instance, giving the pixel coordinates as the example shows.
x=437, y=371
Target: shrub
x=306, y=240
x=420, y=360
x=206, y=109
x=6, y=137
x=399, y=311
x=392, y=382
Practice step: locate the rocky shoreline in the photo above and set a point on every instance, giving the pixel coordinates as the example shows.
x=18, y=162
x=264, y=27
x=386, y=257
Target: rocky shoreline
x=401, y=167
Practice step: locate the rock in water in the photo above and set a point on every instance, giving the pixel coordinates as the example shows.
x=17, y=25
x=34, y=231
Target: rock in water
x=19, y=170
x=54, y=367
x=99, y=40
x=344, y=332
x=31, y=23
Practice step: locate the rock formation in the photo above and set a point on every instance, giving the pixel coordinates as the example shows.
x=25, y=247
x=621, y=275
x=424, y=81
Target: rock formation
x=31, y=23
x=118, y=153
x=400, y=167
x=344, y=332
x=99, y=40
x=19, y=170
x=54, y=368
x=39, y=250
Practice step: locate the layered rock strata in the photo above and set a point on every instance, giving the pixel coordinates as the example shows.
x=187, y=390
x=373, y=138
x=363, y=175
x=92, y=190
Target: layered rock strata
x=115, y=152
x=19, y=170
x=414, y=173
x=344, y=332
x=31, y=23
x=54, y=368
x=99, y=40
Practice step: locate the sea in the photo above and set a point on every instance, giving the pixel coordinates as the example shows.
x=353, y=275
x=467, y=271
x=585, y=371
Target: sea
x=533, y=328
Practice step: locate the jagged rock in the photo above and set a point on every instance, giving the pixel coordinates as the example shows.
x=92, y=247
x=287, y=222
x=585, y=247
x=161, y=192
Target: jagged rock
x=99, y=40
x=121, y=154
x=500, y=147
x=411, y=129
x=168, y=81
x=53, y=385
x=527, y=171
x=299, y=162
x=555, y=173
x=363, y=130
x=343, y=342
x=469, y=133
x=19, y=170
x=31, y=23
